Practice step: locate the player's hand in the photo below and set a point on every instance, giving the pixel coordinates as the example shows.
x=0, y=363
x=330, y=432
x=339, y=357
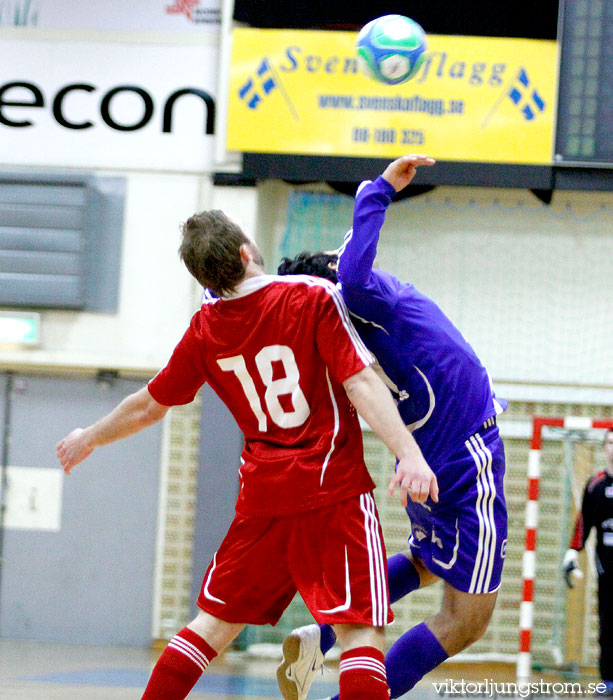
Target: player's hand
x=73, y=449
x=401, y=171
x=570, y=567
x=416, y=480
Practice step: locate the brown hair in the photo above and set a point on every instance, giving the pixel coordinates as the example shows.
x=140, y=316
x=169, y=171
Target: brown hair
x=210, y=249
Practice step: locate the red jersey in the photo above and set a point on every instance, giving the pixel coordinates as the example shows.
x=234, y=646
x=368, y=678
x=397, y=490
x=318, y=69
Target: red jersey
x=276, y=352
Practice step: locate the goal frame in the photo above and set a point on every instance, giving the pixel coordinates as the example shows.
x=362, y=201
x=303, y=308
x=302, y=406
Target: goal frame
x=526, y=615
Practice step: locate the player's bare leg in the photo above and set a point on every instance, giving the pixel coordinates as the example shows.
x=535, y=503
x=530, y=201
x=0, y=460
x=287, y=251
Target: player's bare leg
x=187, y=655
x=218, y=633
x=353, y=636
x=462, y=619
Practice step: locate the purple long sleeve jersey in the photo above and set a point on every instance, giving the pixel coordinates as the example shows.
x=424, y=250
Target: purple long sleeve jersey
x=443, y=392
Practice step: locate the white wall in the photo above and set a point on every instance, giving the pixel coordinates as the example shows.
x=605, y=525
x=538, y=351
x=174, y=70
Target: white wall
x=528, y=284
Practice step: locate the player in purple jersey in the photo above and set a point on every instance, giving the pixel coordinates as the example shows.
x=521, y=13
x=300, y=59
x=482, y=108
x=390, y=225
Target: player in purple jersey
x=445, y=398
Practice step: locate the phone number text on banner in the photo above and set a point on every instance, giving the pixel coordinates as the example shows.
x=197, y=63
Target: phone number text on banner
x=474, y=99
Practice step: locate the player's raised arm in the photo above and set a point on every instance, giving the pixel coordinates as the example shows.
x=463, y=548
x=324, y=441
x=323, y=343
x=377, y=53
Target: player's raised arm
x=137, y=411
x=375, y=294
x=374, y=403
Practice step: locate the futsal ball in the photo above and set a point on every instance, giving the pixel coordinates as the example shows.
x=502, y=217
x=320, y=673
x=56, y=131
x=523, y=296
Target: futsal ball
x=391, y=48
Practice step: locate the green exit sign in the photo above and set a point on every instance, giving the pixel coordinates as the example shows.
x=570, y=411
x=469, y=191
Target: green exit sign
x=18, y=328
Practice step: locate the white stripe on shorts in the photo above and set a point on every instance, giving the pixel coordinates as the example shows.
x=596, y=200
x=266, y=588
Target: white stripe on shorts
x=347, y=604
x=486, y=489
x=205, y=587
x=378, y=584
x=490, y=513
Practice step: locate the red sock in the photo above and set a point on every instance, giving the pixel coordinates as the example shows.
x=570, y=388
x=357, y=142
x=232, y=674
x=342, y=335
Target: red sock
x=179, y=667
x=362, y=675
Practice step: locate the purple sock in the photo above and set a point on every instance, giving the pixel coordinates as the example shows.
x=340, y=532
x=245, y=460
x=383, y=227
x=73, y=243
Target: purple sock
x=328, y=638
x=402, y=578
x=410, y=657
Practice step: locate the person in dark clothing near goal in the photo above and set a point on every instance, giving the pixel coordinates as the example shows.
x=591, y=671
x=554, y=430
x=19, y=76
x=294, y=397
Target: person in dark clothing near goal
x=597, y=512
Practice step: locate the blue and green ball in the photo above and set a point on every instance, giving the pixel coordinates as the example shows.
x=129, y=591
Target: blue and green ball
x=391, y=48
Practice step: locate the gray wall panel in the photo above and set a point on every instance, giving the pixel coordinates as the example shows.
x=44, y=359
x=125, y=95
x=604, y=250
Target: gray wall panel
x=61, y=240
x=60, y=214
x=40, y=263
x=91, y=582
x=65, y=195
x=26, y=290
x=43, y=216
x=104, y=224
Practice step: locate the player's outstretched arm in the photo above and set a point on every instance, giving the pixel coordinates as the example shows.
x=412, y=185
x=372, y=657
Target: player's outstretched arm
x=137, y=411
x=401, y=171
x=375, y=404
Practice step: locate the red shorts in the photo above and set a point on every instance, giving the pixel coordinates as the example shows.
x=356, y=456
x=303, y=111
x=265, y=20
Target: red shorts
x=335, y=557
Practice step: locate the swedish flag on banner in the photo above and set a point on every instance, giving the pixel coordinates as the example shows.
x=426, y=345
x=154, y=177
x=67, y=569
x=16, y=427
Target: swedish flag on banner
x=257, y=87
x=526, y=97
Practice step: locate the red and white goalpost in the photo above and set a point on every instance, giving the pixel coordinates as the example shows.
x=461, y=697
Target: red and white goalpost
x=524, y=657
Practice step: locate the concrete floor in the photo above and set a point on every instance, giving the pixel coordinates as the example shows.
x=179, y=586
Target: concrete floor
x=43, y=671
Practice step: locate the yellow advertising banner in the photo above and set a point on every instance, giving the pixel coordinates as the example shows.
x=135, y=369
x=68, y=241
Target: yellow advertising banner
x=474, y=99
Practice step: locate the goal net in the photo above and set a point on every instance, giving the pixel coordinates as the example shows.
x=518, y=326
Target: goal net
x=558, y=625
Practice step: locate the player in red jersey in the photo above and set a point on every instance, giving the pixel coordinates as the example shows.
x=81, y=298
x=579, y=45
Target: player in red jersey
x=284, y=357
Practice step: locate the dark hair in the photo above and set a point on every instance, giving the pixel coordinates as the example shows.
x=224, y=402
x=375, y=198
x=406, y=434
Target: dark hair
x=305, y=263
x=210, y=249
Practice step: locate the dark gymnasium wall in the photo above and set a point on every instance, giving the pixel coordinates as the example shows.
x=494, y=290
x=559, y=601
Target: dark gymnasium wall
x=532, y=20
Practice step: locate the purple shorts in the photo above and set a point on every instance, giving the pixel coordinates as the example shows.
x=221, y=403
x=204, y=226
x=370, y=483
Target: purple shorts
x=463, y=538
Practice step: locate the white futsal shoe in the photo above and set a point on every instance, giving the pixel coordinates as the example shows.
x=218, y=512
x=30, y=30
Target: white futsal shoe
x=302, y=659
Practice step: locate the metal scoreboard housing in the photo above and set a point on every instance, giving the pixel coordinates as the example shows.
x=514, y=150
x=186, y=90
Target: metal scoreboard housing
x=585, y=109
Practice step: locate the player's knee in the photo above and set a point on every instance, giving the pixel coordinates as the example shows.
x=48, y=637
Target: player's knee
x=465, y=627
x=477, y=629
x=474, y=624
